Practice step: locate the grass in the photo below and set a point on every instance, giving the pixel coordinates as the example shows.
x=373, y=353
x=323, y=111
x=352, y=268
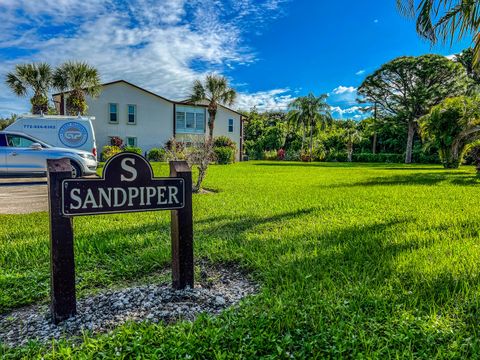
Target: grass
x=355, y=261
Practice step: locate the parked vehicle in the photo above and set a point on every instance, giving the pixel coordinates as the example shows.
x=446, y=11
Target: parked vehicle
x=60, y=131
x=23, y=154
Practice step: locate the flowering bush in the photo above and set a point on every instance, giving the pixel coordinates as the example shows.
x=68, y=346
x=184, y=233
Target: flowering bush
x=108, y=151
x=116, y=141
x=281, y=154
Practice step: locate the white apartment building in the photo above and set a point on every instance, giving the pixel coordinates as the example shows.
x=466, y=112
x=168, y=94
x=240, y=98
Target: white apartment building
x=147, y=120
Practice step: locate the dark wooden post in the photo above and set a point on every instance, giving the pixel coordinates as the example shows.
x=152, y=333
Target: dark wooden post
x=182, y=231
x=62, y=263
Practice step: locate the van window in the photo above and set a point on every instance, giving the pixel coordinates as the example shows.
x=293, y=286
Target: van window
x=3, y=141
x=113, y=109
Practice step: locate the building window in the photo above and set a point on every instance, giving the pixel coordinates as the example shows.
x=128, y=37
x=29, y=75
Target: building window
x=131, y=141
x=190, y=120
x=230, y=125
x=113, y=110
x=132, y=114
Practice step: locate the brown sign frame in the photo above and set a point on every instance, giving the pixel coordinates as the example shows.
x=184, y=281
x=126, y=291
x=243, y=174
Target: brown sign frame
x=62, y=259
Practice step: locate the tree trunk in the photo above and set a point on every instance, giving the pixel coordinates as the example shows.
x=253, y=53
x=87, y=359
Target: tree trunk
x=411, y=133
x=76, y=103
x=211, y=123
x=202, y=171
x=303, y=136
x=374, y=147
x=349, y=151
x=311, y=142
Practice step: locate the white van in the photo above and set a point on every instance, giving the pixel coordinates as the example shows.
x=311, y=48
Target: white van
x=59, y=131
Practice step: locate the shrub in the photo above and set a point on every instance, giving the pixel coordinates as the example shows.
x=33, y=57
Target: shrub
x=305, y=157
x=157, y=154
x=109, y=150
x=319, y=154
x=255, y=154
x=270, y=155
x=224, y=141
x=281, y=154
x=224, y=155
x=292, y=155
x=134, y=149
x=336, y=155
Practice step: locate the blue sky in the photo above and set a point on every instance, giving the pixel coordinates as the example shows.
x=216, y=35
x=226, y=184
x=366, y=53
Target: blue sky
x=271, y=50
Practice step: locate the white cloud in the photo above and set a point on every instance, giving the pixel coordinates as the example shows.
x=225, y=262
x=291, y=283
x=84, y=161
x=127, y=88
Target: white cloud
x=451, y=57
x=360, y=72
x=355, y=112
x=344, y=89
x=160, y=45
x=271, y=100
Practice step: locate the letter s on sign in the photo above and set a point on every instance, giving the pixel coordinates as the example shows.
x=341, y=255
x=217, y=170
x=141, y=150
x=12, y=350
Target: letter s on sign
x=129, y=169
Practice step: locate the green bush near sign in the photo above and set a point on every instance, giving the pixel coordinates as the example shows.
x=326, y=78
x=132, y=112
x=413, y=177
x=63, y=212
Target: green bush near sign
x=224, y=155
x=157, y=154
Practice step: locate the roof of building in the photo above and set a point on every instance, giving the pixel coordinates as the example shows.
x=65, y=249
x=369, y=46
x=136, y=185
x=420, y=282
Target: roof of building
x=184, y=102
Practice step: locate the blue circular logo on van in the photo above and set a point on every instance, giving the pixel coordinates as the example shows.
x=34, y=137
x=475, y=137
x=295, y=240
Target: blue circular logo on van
x=73, y=134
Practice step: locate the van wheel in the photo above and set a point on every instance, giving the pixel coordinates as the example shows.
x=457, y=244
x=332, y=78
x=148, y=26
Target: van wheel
x=76, y=171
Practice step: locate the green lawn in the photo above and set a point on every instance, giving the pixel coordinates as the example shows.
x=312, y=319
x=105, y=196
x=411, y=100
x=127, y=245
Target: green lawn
x=361, y=261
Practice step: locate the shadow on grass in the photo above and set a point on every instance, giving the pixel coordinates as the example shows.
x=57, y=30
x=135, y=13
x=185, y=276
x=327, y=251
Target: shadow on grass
x=425, y=179
x=347, y=260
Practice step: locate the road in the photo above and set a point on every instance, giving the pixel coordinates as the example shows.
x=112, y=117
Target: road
x=23, y=195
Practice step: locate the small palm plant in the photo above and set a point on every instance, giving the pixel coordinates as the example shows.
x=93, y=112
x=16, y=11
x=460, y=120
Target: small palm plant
x=81, y=80
x=351, y=136
x=216, y=91
x=311, y=113
x=32, y=78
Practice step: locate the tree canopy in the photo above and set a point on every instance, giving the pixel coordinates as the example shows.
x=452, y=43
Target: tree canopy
x=32, y=78
x=407, y=87
x=80, y=79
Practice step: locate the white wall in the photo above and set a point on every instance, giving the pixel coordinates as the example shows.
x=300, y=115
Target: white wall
x=221, y=127
x=154, y=120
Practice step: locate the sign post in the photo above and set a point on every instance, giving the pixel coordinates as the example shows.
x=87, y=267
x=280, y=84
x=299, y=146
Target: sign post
x=182, y=231
x=127, y=185
x=62, y=262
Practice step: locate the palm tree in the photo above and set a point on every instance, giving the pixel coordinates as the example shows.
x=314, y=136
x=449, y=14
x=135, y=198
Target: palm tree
x=81, y=80
x=36, y=78
x=215, y=91
x=311, y=113
x=352, y=136
x=445, y=20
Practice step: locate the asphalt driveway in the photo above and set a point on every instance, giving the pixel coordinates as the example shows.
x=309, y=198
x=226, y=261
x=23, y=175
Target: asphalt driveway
x=23, y=195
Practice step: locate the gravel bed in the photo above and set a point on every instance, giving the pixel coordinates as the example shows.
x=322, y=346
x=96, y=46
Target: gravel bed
x=218, y=288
